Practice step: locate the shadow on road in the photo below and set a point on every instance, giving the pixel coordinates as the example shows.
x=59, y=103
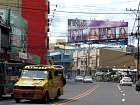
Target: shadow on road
x=5, y=98
x=59, y=101
x=52, y=101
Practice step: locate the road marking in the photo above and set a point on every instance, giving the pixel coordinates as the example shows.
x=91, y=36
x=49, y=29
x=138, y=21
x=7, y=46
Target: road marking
x=123, y=100
x=83, y=94
x=119, y=87
x=86, y=93
x=121, y=91
x=123, y=94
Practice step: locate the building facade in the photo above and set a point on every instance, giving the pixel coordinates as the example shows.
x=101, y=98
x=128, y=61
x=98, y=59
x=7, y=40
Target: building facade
x=61, y=55
x=35, y=13
x=86, y=61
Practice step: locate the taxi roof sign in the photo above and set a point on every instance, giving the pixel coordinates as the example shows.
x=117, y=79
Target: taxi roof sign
x=43, y=67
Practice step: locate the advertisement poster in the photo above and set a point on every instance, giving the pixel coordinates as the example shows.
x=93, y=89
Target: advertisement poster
x=97, y=31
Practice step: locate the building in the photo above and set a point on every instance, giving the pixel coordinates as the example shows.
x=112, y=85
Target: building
x=35, y=14
x=4, y=39
x=5, y=43
x=12, y=4
x=61, y=55
x=86, y=61
x=110, y=58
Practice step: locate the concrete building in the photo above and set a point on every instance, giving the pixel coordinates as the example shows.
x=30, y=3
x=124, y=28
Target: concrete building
x=109, y=58
x=61, y=54
x=35, y=14
x=84, y=61
x=12, y=4
x=87, y=61
x=4, y=40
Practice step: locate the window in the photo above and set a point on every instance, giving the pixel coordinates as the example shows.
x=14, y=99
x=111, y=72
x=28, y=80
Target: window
x=82, y=62
x=50, y=75
x=34, y=74
x=12, y=71
x=56, y=73
x=1, y=68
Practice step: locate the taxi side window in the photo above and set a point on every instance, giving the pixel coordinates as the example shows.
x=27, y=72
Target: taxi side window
x=56, y=73
x=60, y=73
x=50, y=75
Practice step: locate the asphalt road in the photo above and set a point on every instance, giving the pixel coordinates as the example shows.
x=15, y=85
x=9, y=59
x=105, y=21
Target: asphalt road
x=101, y=93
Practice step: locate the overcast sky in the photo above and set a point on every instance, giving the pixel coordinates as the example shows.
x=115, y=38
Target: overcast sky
x=60, y=13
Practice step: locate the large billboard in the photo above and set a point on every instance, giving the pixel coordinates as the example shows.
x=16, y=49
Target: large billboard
x=97, y=31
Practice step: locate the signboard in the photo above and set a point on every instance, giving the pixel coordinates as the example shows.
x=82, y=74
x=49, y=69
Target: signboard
x=16, y=40
x=97, y=31
x=23, y=55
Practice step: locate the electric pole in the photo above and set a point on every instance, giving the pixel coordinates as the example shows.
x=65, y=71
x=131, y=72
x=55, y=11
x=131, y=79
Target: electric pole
x=137, y=35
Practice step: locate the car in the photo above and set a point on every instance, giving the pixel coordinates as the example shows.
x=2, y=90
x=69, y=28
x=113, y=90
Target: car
x=88, y=79
x=126, y=81
x=138, y=85
x=79, y=78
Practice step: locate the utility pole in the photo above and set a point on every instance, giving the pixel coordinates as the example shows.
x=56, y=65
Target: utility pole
x=137, y=35
x=8, y=25
x=89, y=68
x=78, y=59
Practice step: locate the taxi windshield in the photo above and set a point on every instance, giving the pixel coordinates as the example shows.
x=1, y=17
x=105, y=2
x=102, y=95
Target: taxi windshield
x=34, y=74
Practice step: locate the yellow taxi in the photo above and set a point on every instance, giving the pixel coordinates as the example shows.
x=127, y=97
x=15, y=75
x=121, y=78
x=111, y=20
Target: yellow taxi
x=40, y=82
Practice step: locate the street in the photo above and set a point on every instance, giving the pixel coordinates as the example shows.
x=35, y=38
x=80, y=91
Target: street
x=97, y=93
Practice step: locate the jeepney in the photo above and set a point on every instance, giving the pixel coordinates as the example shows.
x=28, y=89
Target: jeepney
x=9, y=74
x=40, y=82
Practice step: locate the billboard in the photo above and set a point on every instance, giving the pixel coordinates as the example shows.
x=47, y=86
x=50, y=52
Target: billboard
x=97, y=31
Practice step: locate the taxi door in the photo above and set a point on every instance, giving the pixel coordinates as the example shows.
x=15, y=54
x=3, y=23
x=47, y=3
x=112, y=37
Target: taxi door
x=51, y=86
x=57, y=82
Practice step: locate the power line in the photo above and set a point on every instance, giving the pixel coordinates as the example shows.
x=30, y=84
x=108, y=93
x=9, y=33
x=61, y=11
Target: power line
x=29, y=8
x=133, y=25
x=93, y=12
x=36, y=8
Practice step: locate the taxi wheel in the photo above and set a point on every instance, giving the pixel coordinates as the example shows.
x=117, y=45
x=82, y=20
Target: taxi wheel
x=12, y=96
x=46, y=98
x=17, y=100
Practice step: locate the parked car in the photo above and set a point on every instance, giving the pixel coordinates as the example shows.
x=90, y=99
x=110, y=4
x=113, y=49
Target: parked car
x=88, y=79
x=138, y=85
x=126, y=81
x=79, y=78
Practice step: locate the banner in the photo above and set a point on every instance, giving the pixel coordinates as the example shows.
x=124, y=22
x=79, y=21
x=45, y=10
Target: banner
x=97, y=31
